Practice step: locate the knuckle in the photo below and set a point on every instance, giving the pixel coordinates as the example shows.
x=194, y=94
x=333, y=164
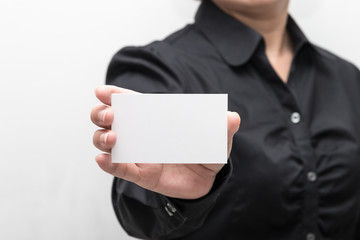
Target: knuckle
x=96, y=138
x=95, y=113
x=101, y=140
x=102, y=116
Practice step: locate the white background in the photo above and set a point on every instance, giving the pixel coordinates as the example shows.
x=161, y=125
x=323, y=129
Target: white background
x=52, y=56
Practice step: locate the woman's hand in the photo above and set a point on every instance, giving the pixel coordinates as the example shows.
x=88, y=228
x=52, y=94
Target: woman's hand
x=187, y=181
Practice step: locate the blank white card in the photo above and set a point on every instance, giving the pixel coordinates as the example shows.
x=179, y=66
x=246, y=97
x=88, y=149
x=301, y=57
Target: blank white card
x=170, y=128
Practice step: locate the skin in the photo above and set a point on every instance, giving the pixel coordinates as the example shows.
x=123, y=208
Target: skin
x=192, y=181
x=267, y=17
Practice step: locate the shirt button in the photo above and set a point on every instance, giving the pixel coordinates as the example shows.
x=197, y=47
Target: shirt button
x=310, y=236
x=311, y=176
x=295, y=117
x=170, y=209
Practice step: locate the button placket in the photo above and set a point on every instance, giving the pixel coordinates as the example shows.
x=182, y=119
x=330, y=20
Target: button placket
x=302, y=139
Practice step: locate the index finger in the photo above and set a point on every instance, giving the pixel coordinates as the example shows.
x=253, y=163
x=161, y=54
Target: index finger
x=103, y=93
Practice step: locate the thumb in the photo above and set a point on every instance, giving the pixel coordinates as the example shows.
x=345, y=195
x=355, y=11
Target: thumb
x=103, y=93
x=233, y=123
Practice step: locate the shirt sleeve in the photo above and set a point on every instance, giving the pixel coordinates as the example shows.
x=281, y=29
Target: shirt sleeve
x=149, y=69
x=357, y=90
x=357, y=237
x=149, y=215
x=143, y=213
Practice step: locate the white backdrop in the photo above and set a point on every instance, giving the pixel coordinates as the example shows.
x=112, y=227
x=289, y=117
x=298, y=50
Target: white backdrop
x=52, y=56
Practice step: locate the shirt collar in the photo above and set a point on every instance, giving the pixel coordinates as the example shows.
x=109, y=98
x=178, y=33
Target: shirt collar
x=235, y=41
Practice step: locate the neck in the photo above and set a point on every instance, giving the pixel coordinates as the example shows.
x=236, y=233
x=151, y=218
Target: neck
x=268, y=19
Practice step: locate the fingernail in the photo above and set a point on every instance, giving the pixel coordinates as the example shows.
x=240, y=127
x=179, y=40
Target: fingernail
x=103, y=138
x=102, y=116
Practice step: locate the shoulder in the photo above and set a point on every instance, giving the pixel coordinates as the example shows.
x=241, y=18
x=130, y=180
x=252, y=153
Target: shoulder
x=339, y=70
x=335, y=62
x=178, y=47
x=167, y=60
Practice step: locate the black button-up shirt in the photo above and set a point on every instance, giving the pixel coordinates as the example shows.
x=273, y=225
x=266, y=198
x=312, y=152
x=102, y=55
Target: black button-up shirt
x=294, y=170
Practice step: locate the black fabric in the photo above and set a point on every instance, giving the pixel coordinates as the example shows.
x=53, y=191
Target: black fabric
x=265, y=191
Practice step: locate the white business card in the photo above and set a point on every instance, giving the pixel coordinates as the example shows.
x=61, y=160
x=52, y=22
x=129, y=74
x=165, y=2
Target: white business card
x=169, y=128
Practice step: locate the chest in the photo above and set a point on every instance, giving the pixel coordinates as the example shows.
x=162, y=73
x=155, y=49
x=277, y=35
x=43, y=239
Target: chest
x=307, y=127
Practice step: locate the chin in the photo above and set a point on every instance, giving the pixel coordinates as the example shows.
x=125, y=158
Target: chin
x=251, y=5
